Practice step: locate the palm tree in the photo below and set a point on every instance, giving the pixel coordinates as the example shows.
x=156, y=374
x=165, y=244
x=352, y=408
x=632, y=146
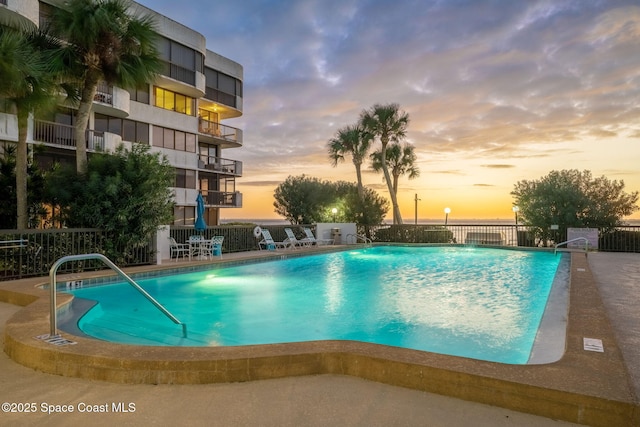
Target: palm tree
x=389, y=124
x=355, y=141
x=27, y=85
x=400, y=159
x=103, y=43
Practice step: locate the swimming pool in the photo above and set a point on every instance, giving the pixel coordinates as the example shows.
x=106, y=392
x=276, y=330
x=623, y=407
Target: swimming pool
x=480, y=303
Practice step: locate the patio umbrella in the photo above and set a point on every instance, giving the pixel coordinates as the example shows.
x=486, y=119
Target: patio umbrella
x=200, y=225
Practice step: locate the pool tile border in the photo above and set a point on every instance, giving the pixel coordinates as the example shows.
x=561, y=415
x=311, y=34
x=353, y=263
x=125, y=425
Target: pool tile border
x=583, y=387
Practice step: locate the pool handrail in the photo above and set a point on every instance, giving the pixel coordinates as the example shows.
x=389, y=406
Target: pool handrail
x=53, y=287
x=359, y=236
x=586, y=244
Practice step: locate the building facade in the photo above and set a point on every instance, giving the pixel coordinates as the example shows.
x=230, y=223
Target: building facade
x=180, y=115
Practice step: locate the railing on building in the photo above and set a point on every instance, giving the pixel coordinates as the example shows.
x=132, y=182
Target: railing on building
x=178, y=73
x=220, y=131
x=217, y=95
x=104, y=93
x=31, y=253
x=62, y=135
x=221, y=198
x=220, y=165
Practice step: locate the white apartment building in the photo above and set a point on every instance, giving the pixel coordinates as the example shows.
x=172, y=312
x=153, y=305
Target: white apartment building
x=181, y=115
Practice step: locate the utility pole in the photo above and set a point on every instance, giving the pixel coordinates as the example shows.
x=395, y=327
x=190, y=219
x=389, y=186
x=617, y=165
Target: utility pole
x=416, y=200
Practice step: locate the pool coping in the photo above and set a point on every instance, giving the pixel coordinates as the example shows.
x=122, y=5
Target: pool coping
x=583, y=387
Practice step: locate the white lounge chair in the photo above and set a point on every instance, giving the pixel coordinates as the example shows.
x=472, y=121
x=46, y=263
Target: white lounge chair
x=292, y=239
x=311, y=239
x=268, y=242
x=178, y=249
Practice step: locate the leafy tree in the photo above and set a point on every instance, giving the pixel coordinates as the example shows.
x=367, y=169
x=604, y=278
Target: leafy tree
x=352, y=140
x=303, y=199
x=389, y=124
x=400, y=159
x=35, y=193
x=104, y=43
x=126, y=194
x=307, y=200
x=570, y=198
x=28, y=86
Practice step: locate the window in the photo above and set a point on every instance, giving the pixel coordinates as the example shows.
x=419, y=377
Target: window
x=129, y=130
x=169, y=100
x=184, y=215
x=140, y=94
x=185, y=178
x=174, y=139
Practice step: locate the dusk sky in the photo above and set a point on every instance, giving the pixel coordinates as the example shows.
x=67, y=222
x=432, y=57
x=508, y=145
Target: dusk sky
x=497, y=91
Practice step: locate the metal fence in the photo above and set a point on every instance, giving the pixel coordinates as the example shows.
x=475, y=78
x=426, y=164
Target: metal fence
x=29, y=253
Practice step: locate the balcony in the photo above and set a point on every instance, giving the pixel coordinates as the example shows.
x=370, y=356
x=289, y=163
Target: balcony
x=220, y=165
x=60, y=135
x=222, y=199
x=215, y=132
x=112, y=101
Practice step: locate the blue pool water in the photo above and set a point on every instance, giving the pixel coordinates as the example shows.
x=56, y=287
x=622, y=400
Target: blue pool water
x=480, y=303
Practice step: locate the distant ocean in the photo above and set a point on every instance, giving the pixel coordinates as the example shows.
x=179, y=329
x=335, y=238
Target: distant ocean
x=409, y=221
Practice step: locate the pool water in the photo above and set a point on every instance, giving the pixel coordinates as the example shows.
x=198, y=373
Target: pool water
x=480, y=303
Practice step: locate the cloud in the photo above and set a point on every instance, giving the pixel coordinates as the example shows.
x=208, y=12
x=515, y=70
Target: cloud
x=497, y=166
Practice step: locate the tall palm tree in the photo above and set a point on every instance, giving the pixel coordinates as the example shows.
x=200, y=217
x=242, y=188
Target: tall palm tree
x=355, y=141
x=400, y=159
x=389, y=124
x=27, y=85
x=103, y=43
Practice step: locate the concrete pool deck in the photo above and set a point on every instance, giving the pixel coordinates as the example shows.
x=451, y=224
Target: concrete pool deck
x=586, y=387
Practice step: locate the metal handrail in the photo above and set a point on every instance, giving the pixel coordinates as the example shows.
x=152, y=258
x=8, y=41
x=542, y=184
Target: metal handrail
x=360, y=236
x=586, y=244
x=107, y=261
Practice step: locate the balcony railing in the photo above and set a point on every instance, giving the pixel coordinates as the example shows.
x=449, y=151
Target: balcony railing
x=179, y=73
x=222, y=198
x=62, y=135
x=220, y=131
x=104, y=93
x=220, y=165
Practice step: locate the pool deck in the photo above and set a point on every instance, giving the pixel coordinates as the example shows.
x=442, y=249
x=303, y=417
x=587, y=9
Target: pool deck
x=314, y=383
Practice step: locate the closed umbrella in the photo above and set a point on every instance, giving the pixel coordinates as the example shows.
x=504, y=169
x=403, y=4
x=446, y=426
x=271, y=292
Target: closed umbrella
x=200, y=225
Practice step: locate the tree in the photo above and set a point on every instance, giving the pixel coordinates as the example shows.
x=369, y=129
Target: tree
x=126, y=194
x=307, y=200
x=400, y=159
x=104, y=43
x=303, y=199
x=352, y=140
x=389, y=124
x=27, y=85
x=35, y=192
x=570, y=198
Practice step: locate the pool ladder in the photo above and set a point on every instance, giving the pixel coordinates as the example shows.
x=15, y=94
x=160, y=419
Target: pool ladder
x=356, y=237
x=107, y=261
x=577, y=239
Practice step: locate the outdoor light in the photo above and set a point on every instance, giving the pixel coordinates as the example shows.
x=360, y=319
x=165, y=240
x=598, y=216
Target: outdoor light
x=515, y=210
x=447, y=211
x=334, y=211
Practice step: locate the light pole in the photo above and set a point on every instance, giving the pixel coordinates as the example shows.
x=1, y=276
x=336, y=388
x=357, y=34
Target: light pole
x=334, y=211
x=416, y=200
x=447, y=211
x=515, y=210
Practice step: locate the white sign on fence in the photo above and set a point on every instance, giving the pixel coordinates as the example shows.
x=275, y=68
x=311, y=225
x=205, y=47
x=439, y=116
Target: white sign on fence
x=591, y=234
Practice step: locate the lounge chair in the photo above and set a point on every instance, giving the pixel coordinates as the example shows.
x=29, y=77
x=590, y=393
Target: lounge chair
x=292, y=239
x=268, y=242
x=311, y=239
x=216, y=246
x=178, y=249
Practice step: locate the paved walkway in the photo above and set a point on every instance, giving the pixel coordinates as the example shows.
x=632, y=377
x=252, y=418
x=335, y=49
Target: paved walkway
x=324, y=400
x=618, y=278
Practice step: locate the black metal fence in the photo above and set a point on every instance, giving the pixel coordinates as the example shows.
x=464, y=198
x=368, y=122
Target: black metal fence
x=29, y=253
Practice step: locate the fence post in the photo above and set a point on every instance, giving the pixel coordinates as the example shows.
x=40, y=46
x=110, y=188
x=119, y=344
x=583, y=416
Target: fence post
x=161, y=244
